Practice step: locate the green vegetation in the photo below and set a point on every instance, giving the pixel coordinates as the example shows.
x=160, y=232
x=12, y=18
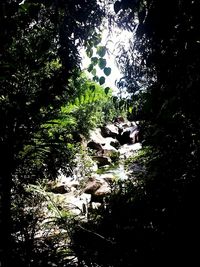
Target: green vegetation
x=48, y=106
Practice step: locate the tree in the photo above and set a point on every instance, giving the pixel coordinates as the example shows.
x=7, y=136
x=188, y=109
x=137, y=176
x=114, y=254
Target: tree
x=39, y=53
x=164, y=66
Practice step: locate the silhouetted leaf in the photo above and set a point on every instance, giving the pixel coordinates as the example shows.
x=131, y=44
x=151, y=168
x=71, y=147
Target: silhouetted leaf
x=102, y=80
x=90, y=68
x=107, y=90
x=102, y=63
x=97, y=39
x=101, y=51
x=92, y=87
x=89, y=52
x=115, y=99
x=94, y=72
x=96, y=78
x=107, y=71
x=94, y=60
x=117, y=6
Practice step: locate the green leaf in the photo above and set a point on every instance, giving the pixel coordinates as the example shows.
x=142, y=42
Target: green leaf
x=107, y=71
x=24, y=7
x=94, y=72
x=102, y=80
x=89, y=52
x=94, y=60
x=115, y=98
x=117, y=6
x=107, y=89
x=97, y=39
x=102, y=63
x=101, y=51
x=121, y=103
x=90, y=68
x=96, y=78
x=92, y=87
x=130, y=109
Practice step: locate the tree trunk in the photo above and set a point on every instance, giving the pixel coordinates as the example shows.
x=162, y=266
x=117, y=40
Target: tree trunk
x=6, y=170
x=5, y=226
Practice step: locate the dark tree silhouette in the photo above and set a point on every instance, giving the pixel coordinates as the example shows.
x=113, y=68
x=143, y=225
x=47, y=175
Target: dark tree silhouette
x=38, y=55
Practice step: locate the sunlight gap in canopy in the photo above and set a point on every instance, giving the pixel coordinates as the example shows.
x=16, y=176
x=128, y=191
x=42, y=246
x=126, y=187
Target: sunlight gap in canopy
x=114, y=41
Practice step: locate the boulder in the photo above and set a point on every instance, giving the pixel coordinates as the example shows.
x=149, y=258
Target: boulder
x=134, y=136
x=100, y=193
x=92, y=186
x=110, y=130
x=115, y=143
x=119, y=120
x=96, y=136
x=60, y=189
x=94, y=145
x=108, y=150
x=127, y=150
x=129, y=135
x=102, y=160
x=108, y=177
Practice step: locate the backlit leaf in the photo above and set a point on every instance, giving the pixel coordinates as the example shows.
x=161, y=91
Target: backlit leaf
x=102, y=80
x=101, y=51
x=90, y=68
x=107, y=71
x=117, y=6
x=94, y=72
x=107, y=90
x=94, y=60
x=102, y=63
x=96, y=78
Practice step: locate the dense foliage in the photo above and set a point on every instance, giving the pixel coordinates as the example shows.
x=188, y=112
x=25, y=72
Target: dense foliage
x=47, y=104
x=39, y=53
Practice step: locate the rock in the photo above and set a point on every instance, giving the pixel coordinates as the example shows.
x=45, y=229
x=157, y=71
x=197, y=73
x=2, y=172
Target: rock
x=127, y=150
x=97, y=188
x=108, y=150
x=94, y=145
x=109, y=130
x=60, y=189
x=92, y=186
x=115, y=143
x=103, y=190
x=129, y=135
x=96, y=136
x=100, y=193
x=108, y=177
x=77, y=203
x=102, y=160
x=74, y=185
x=119, y=120
x=134, y=136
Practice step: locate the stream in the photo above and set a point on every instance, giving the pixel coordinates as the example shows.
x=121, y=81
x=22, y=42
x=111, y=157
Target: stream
x=90, y=190
x=92, y=178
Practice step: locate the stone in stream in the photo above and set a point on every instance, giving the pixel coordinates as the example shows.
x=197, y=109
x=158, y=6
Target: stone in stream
x=94, y=145
x=60, y=189
x=97, y=188
x=57, y=187
x=92, y=186
x=102, y=160
x=109, y=130
x=96, y=136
